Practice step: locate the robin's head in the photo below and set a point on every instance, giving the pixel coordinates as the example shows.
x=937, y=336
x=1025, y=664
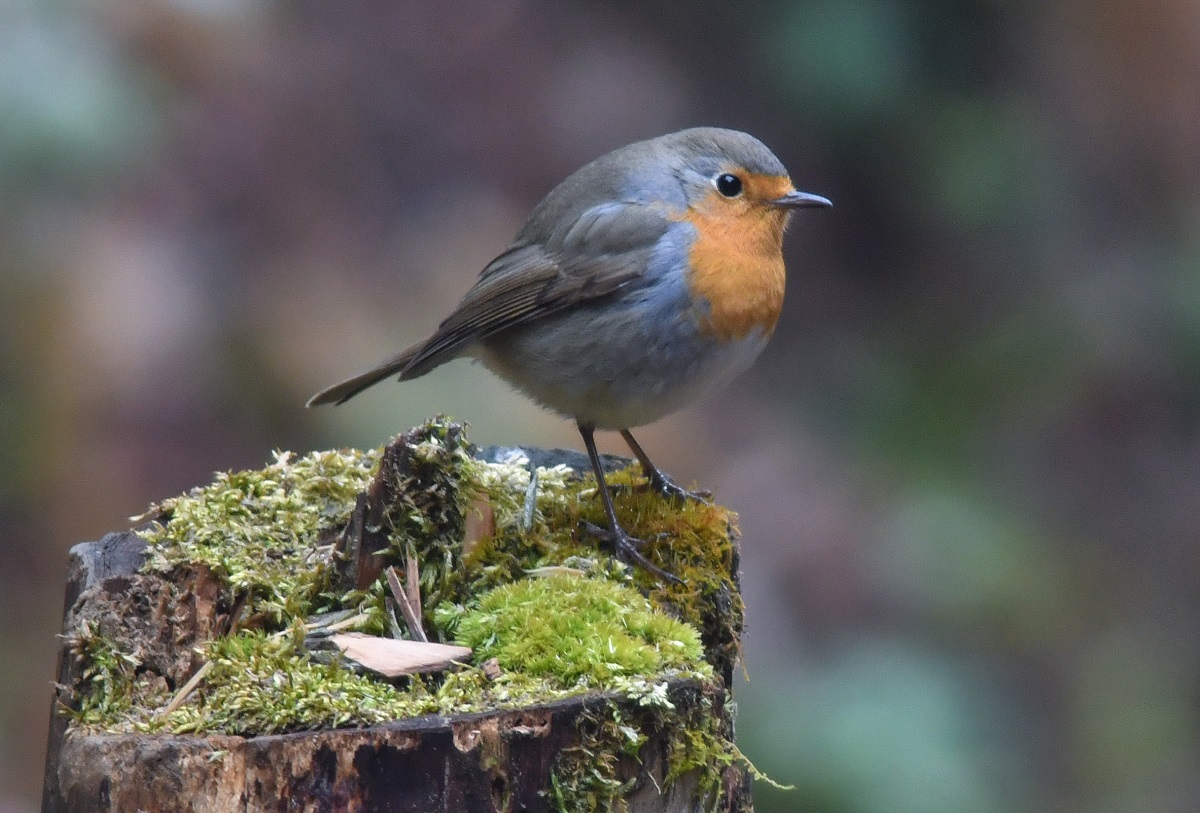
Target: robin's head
x=720, y=173
x=726, y=172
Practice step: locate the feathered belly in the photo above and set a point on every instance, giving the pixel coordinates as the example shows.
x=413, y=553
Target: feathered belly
x=618, y=365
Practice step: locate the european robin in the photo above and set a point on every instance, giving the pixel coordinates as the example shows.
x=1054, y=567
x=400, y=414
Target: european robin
x=646, y=279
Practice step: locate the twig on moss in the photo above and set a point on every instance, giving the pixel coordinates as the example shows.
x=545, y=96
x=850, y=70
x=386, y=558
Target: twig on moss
x=193, y=682
x=409, y=608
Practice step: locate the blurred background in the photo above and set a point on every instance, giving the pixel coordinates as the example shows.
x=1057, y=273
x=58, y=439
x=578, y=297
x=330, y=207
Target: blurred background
x=967, y=467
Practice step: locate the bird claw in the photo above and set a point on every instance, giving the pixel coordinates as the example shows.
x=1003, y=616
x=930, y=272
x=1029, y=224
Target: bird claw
x=667, y=487
x=629, y=550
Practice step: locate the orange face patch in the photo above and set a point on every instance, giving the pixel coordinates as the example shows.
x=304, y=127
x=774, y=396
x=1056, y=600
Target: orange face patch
x=737, y=257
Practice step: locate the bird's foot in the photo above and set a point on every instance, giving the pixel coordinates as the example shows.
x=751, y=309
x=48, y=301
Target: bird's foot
x=629, y=550
x=667, y=487
x=664, y=486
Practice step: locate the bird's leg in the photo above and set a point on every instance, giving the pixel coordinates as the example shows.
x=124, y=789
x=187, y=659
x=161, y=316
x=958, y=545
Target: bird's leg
x=658, y=481
x=628, y=548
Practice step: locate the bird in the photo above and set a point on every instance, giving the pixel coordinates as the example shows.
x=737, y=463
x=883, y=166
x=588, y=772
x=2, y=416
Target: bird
x=644, y=281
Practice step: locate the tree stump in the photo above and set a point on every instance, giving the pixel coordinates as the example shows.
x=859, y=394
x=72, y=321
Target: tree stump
x=664, y=747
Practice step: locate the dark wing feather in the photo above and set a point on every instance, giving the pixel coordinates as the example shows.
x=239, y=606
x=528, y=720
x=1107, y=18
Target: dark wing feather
x=604, y=250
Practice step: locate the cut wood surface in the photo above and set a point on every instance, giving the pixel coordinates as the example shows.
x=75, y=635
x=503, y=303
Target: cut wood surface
x=483, y=762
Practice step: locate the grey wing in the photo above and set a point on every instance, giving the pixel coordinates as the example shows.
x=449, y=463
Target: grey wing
x=603, y=251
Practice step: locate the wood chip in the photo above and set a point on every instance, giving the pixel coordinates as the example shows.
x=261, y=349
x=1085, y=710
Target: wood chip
x=392, y=658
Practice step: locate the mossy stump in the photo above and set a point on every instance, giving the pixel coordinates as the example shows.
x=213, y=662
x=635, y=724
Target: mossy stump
x=193, y=676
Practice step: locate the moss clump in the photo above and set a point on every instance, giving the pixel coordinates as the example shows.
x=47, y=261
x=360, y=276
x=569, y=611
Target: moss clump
x=109, y=686
x=694, y=541
x=266, y=685
x=575, y=630
x=428, y=479
x=591, y=776
x=702, y=744
x=267, y=537
x=587, y=777
x=258, y=530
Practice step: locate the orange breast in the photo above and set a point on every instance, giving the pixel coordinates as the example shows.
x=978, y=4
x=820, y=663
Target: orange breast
x=737, y=259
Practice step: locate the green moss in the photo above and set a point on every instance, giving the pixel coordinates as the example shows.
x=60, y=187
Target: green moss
x=430, y=485
x=107, y=686
x=590, y=777
x=700, y=744
x=587, y=777
x=692, y=540
x=258, y=531
x=574, y=630
x=266, y=685
x=267, y=536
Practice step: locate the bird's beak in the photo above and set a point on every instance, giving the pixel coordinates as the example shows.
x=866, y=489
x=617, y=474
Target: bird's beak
x=800, y=200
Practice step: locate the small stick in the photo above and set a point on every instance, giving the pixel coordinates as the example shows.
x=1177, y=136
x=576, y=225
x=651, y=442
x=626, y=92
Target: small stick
x=406, y=607
x=235, y=614
x=393, y=623
x=530, y=501
x=188, y=687
x=413, y=580
x=344, y=624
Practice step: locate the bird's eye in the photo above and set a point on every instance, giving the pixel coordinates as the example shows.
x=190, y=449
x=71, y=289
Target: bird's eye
x=728, y=185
